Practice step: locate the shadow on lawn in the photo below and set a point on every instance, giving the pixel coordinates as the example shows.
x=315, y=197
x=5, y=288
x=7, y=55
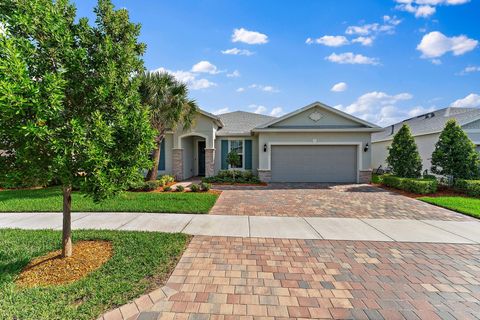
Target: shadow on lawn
x=15, y=194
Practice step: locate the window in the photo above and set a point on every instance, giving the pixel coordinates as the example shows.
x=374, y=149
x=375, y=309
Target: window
x=237, y=145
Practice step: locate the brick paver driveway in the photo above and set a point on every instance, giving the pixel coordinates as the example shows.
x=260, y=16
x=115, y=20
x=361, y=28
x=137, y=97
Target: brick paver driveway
x=314, y=200
x=258, y=278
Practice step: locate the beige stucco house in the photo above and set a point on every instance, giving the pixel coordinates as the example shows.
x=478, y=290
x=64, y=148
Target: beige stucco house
x=426, y=129
x=316, y=143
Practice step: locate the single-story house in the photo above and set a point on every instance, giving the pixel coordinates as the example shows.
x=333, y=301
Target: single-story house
x=426, y=129
x=316, y=143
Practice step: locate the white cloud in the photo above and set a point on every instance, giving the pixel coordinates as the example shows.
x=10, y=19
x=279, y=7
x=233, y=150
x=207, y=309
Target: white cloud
x=189, y=78
x=330, y=41
x=424, y=8
x=238, y=52
x=378, y=107
x=234, y=74
x=436, y=61
x=351, y=58
x=419, y=110
x=249, y=37
x=469, y=69
x=470, y=101
x=364, y=41
x=205, y=67
x=260, y=87
x=388, y=26
x=276, y=112
x=435, y=44
x=258, y=109
x=339, y=87
x=240, y=89
x=222, y=110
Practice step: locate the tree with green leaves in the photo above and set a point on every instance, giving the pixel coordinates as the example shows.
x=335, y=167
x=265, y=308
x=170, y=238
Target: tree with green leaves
x=403, y=156
x=234, y=161
x=455, y=154
x=70, y=108
x=169, y=107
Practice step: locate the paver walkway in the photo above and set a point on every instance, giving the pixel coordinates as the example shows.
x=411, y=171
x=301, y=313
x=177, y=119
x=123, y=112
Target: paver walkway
x=438, y=231
x=261, y=278
x=323, y=200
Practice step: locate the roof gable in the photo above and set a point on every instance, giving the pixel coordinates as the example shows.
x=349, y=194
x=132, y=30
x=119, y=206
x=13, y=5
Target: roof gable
x=317, y=116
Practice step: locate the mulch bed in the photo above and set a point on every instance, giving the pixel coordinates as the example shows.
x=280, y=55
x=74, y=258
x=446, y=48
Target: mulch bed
x=52, y=269
x=443, y=191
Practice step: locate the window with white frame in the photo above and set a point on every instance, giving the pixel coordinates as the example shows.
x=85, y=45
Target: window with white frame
x=237, y=145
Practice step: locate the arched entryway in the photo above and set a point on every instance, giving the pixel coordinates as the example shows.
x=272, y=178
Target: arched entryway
x=192, y=157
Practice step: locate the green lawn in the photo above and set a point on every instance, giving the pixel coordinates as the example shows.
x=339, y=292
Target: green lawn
x=469, y=206
x=139, y=261
x=50, y=200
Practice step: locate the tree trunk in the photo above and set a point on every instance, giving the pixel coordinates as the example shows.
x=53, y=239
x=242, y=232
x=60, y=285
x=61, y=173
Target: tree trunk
x=153, y=173
x=67, y=222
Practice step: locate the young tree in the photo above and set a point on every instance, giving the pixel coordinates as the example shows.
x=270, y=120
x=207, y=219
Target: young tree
x=233, y=160
x=455, y=154
x=403, y=155
x=169, y=106
x=70, y=108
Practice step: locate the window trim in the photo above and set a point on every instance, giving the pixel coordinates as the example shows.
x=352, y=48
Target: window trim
x=243, y=153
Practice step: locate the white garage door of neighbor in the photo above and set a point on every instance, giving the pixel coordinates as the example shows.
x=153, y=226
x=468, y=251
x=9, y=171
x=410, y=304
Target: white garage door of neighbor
x=314, y=163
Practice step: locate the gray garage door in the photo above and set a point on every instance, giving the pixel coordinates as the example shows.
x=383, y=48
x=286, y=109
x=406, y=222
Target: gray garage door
x=310, y=163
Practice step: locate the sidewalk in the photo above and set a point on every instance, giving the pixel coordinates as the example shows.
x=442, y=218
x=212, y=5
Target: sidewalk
x=433, y=231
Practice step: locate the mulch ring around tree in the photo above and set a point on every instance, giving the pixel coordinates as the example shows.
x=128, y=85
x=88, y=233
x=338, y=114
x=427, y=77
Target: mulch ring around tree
x=52, y=269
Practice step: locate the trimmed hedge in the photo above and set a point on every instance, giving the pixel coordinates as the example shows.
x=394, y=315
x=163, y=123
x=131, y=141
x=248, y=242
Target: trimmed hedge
x=419, y=186
x=377, y=178
x=469, y=187
x=226, y=176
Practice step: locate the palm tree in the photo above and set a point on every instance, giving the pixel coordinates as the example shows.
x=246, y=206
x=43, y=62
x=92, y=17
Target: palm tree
x=169, y=106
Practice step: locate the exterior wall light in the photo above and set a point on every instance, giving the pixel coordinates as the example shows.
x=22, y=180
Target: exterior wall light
x=265, y=147
x=366, y=147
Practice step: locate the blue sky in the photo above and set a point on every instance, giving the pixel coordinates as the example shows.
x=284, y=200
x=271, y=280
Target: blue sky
x=395, y=58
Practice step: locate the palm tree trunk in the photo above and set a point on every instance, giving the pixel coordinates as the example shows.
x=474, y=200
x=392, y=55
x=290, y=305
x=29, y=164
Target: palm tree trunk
x=67, y=222
x=152, y=174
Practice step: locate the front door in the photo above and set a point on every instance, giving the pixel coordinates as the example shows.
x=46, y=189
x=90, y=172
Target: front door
x=201, y=158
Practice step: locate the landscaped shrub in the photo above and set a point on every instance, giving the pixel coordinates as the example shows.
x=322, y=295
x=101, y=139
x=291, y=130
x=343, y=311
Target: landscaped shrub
x=194, y=188
x=205, y=186
x=419, y=186
x=469, y=187
x=150, y=185
x=455, y=154
x=180, y=188
x=227, y=176
x=377, y=178
x=167, y=188
x=403, y=155
x=166, y=179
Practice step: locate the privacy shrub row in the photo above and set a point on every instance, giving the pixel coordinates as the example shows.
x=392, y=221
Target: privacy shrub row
x=419, y=186
x=469, y=187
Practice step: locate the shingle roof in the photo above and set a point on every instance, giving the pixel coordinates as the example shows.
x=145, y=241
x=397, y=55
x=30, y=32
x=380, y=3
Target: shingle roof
x=431, y=122
x=241, y=122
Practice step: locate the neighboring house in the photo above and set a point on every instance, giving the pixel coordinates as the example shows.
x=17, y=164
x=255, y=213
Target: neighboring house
x=426, y=129
x=314, y=144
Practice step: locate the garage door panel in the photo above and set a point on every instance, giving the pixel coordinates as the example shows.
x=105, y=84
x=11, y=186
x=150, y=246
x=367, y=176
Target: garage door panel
x=314, y=163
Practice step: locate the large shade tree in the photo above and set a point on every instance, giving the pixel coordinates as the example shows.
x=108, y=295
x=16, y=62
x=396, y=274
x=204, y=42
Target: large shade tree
x=455, y=154
x=70, y=108
x=403, y=156
x=169, y=107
